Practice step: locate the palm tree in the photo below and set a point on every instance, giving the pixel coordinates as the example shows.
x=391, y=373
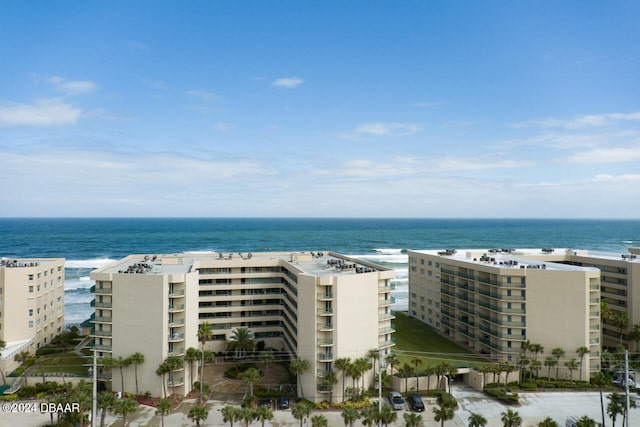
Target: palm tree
x=330, y=380
x=267, y=357
x=319, y=421
x=484, y=370
x=535, y=349
x=404, y=371
x=125, y=407
x=585, y=421
x=362, y=365
x=247, y=415
x=523, y=361
x=621, y=321
x=392, y=360
x=173, y=363
x=191, y=356
x=536, y=365
x=511, y=419
x=264, y=413
x=417, y=361
x=297, y=368
x=477, y=420
x=547, y=422
x=615, y=407
x=204, y=334
x=370, y=415
x=342, y=364
x=106, y=400
x=229, y=414
x=582, y=352
x=374, y=354
x=411, y=419
x=164, y=408
x=634, y=335
x=600, y=379
x=549, y=362
x=121, y=363
x=161, y=371
x=250, y=377
x=136, y=359
x=350, y=415
x=25, y=358
x=443, y=413
x=301, y=411
x=571, y=365
x=241, y=342
x=198, y=413
x=558, y=353
x=388, y=415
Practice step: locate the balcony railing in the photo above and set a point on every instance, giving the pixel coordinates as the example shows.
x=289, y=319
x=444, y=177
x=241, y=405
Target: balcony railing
x=325, y=311
x=327, y=342
x=176, y=307
x=176, y=352
x=100, y=304
x=100, y=333
x=100, y=290
x=176, y=322
x=324, y=357
x=176, y=337
x=175, y=382
x=325, y=326
x=176, y=294
x=325, y=295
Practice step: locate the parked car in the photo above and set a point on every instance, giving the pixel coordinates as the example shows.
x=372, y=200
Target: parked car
x=397, y=402
x=415, y=402
x=283, y=402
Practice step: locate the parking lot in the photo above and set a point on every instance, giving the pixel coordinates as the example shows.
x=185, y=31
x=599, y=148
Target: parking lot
x=534, y=408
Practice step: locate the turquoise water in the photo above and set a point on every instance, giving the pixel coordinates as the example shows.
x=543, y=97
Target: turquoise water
x=90, y=243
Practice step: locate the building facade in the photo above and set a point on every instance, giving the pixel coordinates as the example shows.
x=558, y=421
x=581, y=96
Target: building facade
x=493, y=301
x=318, y=306
x=31, y=305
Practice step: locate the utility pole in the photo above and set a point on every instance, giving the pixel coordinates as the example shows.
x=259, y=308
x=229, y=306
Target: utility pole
x=94, y=410
x=626, y=387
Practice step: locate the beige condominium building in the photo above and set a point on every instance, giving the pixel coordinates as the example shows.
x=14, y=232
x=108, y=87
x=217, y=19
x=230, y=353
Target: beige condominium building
x=319, y=306
x=31, y=305
x=493, y=300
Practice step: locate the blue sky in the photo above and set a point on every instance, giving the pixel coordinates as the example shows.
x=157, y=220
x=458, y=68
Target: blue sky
x=332, y=108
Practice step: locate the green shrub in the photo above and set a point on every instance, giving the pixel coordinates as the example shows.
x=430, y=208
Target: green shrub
x=45, y=351
x=8, y=397
x=529, y=385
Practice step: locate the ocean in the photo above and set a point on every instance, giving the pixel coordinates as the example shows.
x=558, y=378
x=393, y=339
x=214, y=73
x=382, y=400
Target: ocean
x=89, y=243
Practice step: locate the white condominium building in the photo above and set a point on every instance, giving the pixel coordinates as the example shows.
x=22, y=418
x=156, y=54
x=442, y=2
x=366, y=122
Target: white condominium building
x=318, y=306
x=494, y=300
x=31, y=305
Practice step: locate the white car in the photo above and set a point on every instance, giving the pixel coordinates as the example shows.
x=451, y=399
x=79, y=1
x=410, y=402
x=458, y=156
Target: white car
x=397, y=402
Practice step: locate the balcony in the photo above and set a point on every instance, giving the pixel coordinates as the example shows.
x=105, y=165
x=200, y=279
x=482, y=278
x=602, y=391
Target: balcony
x=325, y=327
x=325, y=311
x=101, y=347
x=174, y=308
x=175, y=382
x=325, y=357
x=323, y=388
x=176, y=294
x=321, y=373
x=176, y=323
x=386, y=316
x=176, y=352
x=101, y=319
x=176, y=337
x=99, y=333
x=100, y=304
x=387, y=343
x=325, y=296
x=327, y=342
x=100, y=290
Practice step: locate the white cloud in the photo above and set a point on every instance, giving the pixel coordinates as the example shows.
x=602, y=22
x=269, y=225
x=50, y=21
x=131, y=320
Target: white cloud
x=584, y=121
x=382, y=129
x=44, y=112
x=288, y=82
x=203, y=95
x=77, y=87
x=607, y=155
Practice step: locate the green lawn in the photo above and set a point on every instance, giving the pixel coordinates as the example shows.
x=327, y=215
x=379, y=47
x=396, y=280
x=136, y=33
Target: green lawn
x=416, y=339
x=62, y=362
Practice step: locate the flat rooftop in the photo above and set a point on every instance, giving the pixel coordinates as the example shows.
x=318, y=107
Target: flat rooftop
x=530, y=258
x=26, y=262
x=313, y=263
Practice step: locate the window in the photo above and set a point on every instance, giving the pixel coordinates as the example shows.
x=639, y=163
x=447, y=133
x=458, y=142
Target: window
x=30, y=289
x=31, y=277
x=31, y=312
x=30, y=324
